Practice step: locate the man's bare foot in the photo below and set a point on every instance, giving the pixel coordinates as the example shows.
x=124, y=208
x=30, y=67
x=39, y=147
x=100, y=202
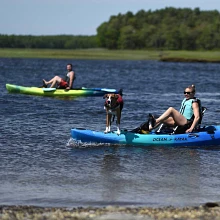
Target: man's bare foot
x=44, y=83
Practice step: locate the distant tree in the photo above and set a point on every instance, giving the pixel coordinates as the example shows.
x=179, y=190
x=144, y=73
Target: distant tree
x=173, y=39
x=112, y=33
x=101, y=36
x=127, y=38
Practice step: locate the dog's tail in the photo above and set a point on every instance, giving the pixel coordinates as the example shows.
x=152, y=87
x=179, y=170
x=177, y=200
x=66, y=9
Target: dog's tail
x=120, y=92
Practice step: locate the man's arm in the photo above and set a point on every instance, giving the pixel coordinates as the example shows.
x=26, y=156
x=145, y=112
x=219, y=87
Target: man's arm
x=71, y=80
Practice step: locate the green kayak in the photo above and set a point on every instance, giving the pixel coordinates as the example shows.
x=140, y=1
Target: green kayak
x=59, y=92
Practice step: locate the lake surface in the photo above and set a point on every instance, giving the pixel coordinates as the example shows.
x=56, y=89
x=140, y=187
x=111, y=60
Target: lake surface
x=40, y=164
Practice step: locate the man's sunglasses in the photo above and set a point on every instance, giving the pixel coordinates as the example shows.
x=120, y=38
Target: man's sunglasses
x=188, y=93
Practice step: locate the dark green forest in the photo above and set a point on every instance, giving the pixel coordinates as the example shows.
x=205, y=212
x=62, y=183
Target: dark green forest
x=164, y=29
x=48, y=42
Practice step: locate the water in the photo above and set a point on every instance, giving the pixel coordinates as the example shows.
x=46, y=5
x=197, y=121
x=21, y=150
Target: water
x=40, y=164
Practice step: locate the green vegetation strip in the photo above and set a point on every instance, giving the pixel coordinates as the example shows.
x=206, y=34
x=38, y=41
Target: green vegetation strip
x=104, y=54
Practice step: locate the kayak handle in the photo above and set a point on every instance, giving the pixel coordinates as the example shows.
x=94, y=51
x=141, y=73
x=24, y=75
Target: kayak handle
x=193, y=135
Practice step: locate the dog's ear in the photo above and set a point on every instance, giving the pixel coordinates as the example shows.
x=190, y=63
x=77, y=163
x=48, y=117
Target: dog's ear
x=116, y=96
x=105, y=96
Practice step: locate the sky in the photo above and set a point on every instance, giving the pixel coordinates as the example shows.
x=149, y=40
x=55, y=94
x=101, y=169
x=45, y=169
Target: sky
x=78, y=17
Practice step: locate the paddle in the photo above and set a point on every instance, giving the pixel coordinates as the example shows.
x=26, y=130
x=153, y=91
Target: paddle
x=48, y=89
x=100, y=89
x=83, y=88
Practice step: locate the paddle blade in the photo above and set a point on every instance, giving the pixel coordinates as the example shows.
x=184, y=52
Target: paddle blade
x=48, y=89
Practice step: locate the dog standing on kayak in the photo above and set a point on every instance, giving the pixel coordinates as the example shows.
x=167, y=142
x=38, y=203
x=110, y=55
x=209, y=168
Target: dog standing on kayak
x=113, y=105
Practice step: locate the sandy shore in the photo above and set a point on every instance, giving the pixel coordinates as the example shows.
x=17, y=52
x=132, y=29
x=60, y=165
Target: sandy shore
x=208, y=211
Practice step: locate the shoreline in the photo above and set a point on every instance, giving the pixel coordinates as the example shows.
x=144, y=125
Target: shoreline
x=207, y=211
x=104, y=54
x=188, y=60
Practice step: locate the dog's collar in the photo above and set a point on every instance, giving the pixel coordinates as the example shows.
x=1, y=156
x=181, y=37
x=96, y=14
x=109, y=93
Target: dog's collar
x=115, y=107
x=117, y=104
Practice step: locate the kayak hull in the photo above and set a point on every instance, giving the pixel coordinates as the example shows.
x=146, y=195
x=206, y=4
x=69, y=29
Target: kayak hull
x=210, y=136
x=59, y=92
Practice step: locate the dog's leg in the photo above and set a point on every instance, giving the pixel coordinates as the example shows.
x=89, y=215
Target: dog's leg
x=108, y=123
x=118, y=122
x=118, y=129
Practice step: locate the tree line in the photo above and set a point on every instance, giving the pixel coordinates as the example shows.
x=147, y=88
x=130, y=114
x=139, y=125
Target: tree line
x=49, y=42
x=168, y=29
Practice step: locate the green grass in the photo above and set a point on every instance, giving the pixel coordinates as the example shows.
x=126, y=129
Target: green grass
x=199, y=56
x=104, y=54
x=80, y=54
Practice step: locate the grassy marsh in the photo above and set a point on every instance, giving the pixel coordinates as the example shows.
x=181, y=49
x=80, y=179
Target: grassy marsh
x=104, y=54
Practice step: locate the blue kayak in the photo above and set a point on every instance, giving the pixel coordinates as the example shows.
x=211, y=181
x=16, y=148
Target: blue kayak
x=208, y=136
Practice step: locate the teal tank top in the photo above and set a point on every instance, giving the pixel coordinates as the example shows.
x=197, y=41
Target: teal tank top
x=186, y=108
